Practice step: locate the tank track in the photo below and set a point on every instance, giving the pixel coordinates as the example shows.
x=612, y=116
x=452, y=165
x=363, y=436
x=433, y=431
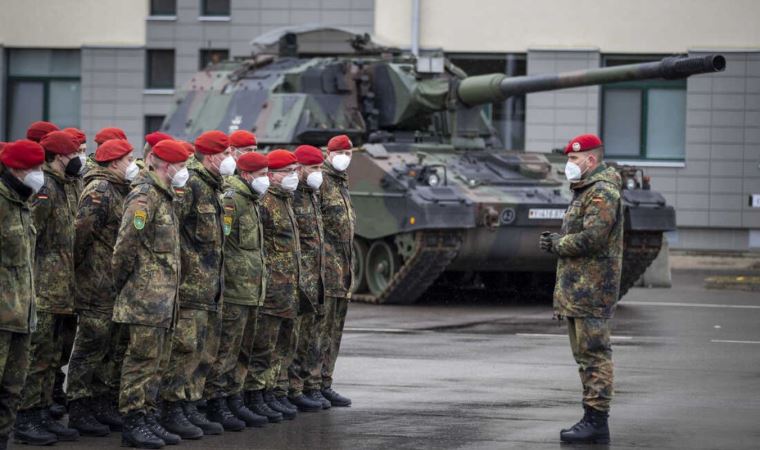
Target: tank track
x=639, y=250
x=434, y=250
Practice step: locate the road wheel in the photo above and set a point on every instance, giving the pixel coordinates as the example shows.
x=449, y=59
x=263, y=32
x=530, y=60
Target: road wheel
x=359, y=265
x=382, y=264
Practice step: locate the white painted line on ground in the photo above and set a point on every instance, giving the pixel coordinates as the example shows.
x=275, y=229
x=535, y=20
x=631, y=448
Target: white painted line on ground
x=379, y=330
x=726, y=341
x=564, y=336
x=691, y=305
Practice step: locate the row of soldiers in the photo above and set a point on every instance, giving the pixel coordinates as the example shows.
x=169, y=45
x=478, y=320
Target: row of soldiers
x=201, y=289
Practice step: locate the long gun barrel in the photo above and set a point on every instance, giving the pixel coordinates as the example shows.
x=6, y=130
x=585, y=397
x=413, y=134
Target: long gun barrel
x=496, y=87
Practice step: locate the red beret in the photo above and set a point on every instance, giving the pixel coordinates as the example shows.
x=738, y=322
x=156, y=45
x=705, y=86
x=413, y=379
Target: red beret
x=170, y=151
x=583, y=143
x=277, y=159
x=38, y=130
x=242, y=138
x=309, y=155
x=77, y=134
x=154, y=138
x=108, y=133
x=112, y=149
x=339, y=142
x=212, y=142
x=188, y=147
x=251, y=162
x=22, y=154
x=59, y=142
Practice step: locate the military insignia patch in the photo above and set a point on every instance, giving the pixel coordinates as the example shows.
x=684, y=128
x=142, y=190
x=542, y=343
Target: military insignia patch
x=139, y=220
x=227, y=225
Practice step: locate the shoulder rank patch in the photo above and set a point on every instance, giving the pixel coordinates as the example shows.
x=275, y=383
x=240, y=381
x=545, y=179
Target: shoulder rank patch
x=140, y=217
x=102, y=186
x=227, y=224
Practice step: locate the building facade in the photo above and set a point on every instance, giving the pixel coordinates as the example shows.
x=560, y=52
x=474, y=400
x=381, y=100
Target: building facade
x=96, y=63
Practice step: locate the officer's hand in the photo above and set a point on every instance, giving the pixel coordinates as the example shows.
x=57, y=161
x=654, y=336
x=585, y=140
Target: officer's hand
x=544, y=242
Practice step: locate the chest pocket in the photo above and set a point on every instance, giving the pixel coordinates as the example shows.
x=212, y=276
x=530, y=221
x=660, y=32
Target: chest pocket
x=207, y=225
x=163, y=238
x=573, y=218
x=305, y=220
x=249, y=233
x=15, y=245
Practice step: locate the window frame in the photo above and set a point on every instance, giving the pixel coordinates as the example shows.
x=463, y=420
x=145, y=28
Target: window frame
x=205, y=14
x=45, y=80
x=152, y=13
x=202, y=51
x=147, y=117
x=149, y=66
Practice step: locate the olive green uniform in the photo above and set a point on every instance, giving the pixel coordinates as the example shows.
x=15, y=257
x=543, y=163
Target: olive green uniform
x=17, y=305
x=146, y=267
x=590, y=251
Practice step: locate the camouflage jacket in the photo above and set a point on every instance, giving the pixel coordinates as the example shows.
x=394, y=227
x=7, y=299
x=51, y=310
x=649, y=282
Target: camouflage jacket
x=591, y=248
x=101, y=206
x=17, y=236
x=311, y=233
x=146, y=256
x=244, y=266
x=199, y=211
x=54, y=209
x=283, y=253
x=339, y=223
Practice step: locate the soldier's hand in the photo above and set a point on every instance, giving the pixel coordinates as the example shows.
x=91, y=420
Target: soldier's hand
x=544, y=242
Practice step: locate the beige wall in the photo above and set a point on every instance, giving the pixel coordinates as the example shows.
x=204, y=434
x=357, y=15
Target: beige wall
x=72, y=23
x=613, y=26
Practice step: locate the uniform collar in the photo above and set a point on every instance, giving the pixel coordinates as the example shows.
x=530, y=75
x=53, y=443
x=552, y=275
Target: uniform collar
x=13, y=189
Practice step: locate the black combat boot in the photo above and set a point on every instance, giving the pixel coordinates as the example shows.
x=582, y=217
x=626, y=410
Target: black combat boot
x=257, y=405
x=305, y=404
x=335, y=398
x=593, y=430
x=237, y=407
x=272, y=402
x=317, y=396
x=29, y=430
x=584, y=419
x=3, y=442
x=104, y=410
x=63, y=432
x=285, y=401
x=199, y=420
x=135, y=432
x=174, y=420
x=162, y=433
x=218, y=411
x=82, y=420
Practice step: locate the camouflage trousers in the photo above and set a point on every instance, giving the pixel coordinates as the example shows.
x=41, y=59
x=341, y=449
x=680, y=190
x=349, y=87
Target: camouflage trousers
x=270, y=344
x=231, y=363
x=590, y=343
x=285, y=358
x=14, y=365
x=50, y=343
x=97, y=356
x=194, y=346
x=304, y=372
x=330, y=335
x=144, y=363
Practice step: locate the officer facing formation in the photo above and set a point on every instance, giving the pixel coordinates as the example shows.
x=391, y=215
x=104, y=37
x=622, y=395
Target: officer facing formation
x=589, y=250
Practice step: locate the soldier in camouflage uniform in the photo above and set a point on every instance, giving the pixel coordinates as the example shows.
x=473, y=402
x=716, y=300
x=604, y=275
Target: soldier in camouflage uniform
x=95, y=368
x=146, y=268
x=302, y=374
x=196, y=338
x=277, y=316
x=244, y=286
x=20, y=176
x=590, y=248
x=339, y=221
x=54, y=211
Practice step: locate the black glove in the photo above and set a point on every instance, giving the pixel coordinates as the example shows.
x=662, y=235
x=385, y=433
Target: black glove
x=547, y=240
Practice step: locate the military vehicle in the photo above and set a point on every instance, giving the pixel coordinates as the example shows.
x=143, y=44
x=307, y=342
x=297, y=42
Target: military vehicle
x=434, y=190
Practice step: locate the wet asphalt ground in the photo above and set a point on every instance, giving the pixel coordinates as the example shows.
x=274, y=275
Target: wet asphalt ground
x=474, y=371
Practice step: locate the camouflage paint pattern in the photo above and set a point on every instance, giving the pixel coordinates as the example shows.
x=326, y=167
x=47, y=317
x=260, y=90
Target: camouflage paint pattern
x=339, y=223
x=590, y=343
x=14, y=363
x=306, y=206
x=590, y=248
x=146, y=257
x=144, y=364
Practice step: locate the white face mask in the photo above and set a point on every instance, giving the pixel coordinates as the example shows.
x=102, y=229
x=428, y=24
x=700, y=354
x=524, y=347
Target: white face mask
x=260, y=184
x=180, y=177
x=572, y=171
x=314, y=180
x=290, y=182
x=35, y=180
x=131, y=171
x=227, y=167
x=83, y=159
x=341, y=162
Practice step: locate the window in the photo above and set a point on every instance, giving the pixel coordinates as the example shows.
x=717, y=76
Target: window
x=160, y=69
x=215, y=7
x=153, y=123
x=163, y=7
x=42, y=85
x=643, y=119
x=210, y=57
x=508, y=117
